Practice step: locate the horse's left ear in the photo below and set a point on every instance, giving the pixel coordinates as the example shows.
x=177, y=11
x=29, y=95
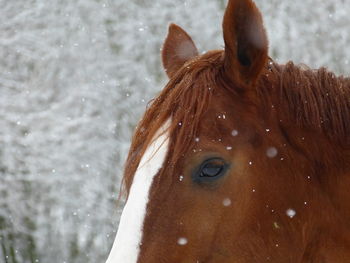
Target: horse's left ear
x=178, y=48
x=246, y=44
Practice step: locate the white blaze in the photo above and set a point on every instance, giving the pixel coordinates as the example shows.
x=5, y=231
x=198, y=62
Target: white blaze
x=126, y=245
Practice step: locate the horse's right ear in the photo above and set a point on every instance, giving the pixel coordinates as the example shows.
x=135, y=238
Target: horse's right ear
x=178, y=48
x=246, y=45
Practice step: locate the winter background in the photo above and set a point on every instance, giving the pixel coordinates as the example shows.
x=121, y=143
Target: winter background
x=75, y=77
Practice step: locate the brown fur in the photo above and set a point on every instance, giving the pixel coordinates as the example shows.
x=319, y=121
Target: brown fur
x=177, y=49
x=246, y=42
x=303, y=113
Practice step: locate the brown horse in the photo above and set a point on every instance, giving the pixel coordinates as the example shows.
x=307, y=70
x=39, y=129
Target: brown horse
x=239, y=159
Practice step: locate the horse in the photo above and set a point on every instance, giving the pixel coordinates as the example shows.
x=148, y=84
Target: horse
x=238, y=159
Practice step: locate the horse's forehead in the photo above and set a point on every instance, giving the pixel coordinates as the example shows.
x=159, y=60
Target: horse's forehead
x=224, y=112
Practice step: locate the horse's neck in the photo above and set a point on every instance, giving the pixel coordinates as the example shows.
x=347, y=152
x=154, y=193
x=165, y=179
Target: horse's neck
x=327, y=153
x=316, y=147
x=337, y=218
x=331, y=207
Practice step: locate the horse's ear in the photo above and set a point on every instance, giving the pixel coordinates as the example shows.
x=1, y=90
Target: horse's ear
x=177, y=49
x=246, y=44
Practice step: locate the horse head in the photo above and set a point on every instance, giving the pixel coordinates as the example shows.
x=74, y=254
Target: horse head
x=238, y=159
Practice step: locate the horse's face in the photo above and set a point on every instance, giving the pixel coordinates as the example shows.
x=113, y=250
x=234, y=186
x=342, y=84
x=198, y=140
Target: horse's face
x=230, y=197
x=209, y=179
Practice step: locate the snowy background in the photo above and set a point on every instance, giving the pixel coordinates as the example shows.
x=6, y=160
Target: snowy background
x=75, y=77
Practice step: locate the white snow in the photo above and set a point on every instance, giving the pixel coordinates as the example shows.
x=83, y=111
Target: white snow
x=271, y=152
x=234, y=132
x=291, y=212
x=182, y=241
x=226, y=202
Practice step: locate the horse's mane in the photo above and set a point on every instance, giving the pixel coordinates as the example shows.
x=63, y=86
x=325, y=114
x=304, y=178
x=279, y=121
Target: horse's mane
x=307, y=97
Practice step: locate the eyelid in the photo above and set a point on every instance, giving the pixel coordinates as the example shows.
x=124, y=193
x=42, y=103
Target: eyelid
x=196, y=174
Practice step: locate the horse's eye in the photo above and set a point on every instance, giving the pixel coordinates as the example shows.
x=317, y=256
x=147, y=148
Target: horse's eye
x=210, y=170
